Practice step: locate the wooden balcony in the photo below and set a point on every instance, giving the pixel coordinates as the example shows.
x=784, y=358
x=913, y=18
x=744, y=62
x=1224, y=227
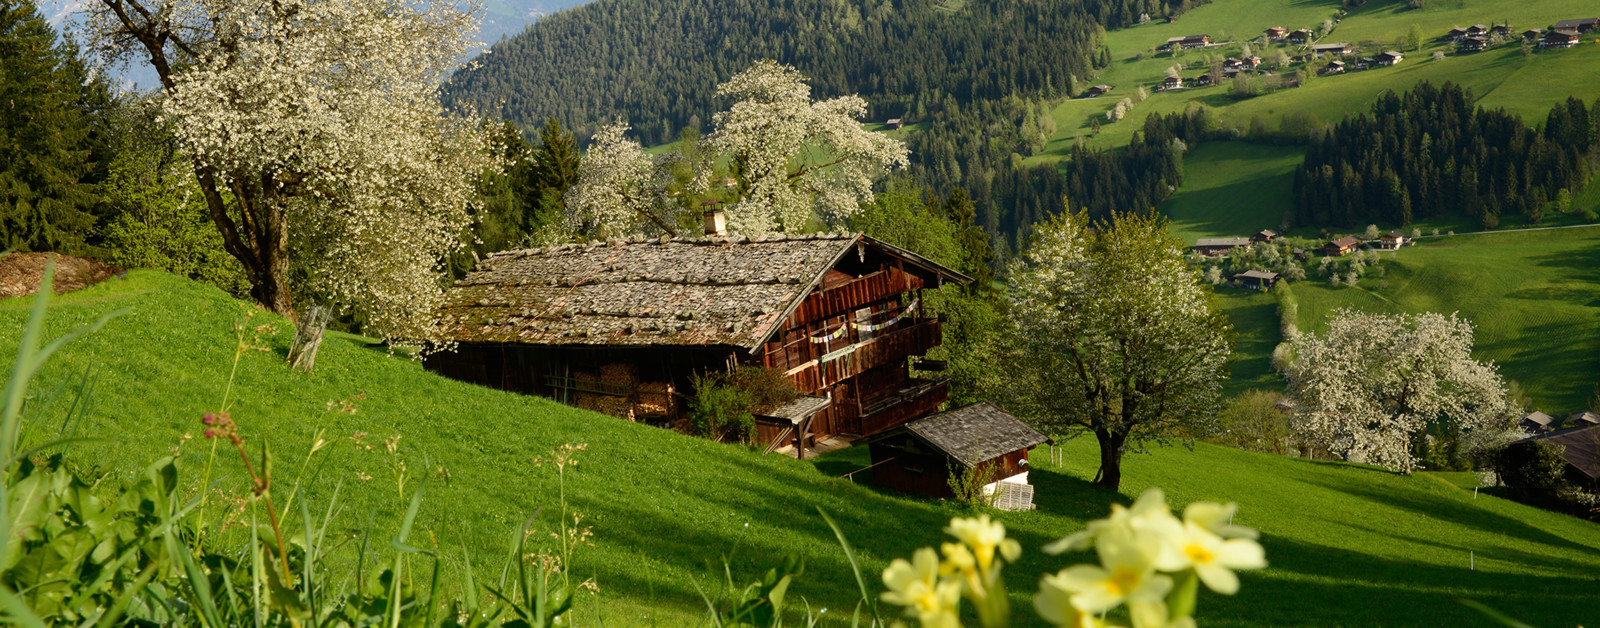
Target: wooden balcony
x=880, y=286
x=920, y=398
x=893, y=347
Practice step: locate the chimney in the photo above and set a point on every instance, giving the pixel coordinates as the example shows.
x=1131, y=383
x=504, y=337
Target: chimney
x=716, y=222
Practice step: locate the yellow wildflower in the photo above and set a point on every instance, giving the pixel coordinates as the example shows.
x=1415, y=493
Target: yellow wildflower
x=916, y=586
x=1214, y=558
x=1218, y=518
x=1127, y=576
x=984, y=537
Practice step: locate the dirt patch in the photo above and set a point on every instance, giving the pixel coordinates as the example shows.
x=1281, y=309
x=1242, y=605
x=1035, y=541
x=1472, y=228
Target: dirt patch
x=20, y=273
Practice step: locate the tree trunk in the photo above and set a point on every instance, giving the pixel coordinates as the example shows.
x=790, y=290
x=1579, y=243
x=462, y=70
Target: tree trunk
x=1110, y=474
x=308, y=338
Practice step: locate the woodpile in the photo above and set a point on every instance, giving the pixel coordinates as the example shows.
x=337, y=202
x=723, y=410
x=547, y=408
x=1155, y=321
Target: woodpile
x=655, y=400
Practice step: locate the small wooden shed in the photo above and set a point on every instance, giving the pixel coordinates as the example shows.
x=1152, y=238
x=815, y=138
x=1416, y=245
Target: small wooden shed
x=917, y=457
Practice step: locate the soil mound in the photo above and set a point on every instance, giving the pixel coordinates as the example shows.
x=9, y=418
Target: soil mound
x=20, y=273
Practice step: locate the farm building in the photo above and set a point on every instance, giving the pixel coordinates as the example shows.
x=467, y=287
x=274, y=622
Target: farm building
x=917, y=457
x=1256, y=279
x=1276, y=33
x=1172, y=82
x=1392, y=241
x=1096, y=90
x=1580, y=447
x=1389, y=57
x=1300, y=37
x=895, y=123
x=1340, y=48
x=1536, y=421
x=1559, y=39
x=1264, y=235
x=1455, y=35
x=1580, y=419
x=1213, y=247
x=620, y=327
x=1533, y=34
x=1503, y=30
x=1473, y=44
x=1580, y=25
x=1333, y=67
x=1186, y=42
x=1342, y=246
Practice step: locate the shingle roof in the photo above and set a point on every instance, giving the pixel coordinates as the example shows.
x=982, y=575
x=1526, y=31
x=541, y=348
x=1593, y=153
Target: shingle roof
x=1222, y=242
x=797, y=409
x=1539, y=417
x=1583, y=417
x=723, y=291
x=1580, y=447
x=1258, y=274
x=1576, y=23
x=1345, y=241
x=976, y=433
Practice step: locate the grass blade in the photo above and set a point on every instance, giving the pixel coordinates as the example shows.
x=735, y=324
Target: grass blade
x=855, y=566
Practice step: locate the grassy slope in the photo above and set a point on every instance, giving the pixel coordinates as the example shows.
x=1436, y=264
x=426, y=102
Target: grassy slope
x=1500, y=77
x=1534, y=297
x=1349, y=545
x=1232, y=189
x=1255, y=322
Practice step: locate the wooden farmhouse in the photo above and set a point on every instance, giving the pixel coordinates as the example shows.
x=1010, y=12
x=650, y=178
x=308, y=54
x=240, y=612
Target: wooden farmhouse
x=1342, y=246
x=1276, y=33
x=1580, y=419
x=1536, y=421
x=1340, y=49
x=1262, y=280
x=917, y=457
x=1580, y=25
x=620, y=327
x=1096, y=91
x=1533, y=35
x=1389, y=57
x=1333, y=67
x=895, y=123
x=1300, y=37
x=1187, y=42
x=1212, y=247
x=1580, y=447
x=1473, y=44
x=1559, y=39
x=1392, y=241
x=1264, y=235
x=1172, y=82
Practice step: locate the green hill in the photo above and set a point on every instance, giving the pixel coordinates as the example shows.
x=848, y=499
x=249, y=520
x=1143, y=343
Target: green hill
x=1348, y=544
x=1531, y=294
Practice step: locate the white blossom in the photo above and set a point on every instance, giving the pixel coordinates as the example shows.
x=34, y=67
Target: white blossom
x=795, y=158
x=1369, y=387
x=613, y=194
x=323, y=116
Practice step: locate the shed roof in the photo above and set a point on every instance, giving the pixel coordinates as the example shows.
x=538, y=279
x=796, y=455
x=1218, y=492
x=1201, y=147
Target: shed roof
x=1345, y=241
x=1333, y=46
x=976, y=433
x=1394, y=235
x=1584, y=417
x=1580, y=447
x=1258, y=274
x=1222, y=242
x=798, y=409
x=1539, y=417
x=720, y=291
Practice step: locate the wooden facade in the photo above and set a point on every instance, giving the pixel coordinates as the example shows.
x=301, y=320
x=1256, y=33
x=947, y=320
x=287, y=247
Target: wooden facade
x=840, y=316
x=920, y=456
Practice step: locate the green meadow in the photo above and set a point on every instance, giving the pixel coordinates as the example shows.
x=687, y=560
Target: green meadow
x=1348, y=544
x=1233, y=189
x=1533, y=297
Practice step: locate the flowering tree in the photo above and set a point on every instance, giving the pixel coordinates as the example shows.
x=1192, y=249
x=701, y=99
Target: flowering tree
x=1114, y=335
x=616, y=187
x=316, y=134
x=792, y=157
x=1370, y=387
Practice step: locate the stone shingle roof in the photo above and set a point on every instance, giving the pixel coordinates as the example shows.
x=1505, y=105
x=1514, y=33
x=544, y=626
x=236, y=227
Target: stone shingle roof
x=976, y=433
x=718, y=291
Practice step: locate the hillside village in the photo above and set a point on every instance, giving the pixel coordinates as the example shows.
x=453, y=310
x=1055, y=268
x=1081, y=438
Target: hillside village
x=675, y=313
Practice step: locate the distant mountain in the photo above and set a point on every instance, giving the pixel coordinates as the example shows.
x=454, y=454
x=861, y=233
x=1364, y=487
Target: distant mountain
x=657, y=62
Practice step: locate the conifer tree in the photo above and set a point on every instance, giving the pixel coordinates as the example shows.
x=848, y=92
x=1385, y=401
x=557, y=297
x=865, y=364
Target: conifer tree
x=50, y=152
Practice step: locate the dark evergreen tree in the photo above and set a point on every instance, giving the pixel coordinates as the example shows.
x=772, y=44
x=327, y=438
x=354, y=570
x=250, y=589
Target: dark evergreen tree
x=52, y=146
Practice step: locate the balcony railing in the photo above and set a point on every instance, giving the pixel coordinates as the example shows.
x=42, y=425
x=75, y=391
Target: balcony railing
x=919, y=399
x=879, y=286
x=850, y=361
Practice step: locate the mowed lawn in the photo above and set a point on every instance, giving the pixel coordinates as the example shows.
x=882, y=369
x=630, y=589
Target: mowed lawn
x=1233, y=189
x=1348, y=545
x=1255, y=323
x=1533, y=296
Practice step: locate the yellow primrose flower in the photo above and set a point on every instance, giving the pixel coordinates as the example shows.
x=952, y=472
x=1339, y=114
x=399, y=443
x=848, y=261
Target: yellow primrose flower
x=1149, y=518
x=916, y=586
x=1126, y=577
x=1055, y=606
x=1218, y=518
x=984, y=537
x=1214, y=558
x=956, y=558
